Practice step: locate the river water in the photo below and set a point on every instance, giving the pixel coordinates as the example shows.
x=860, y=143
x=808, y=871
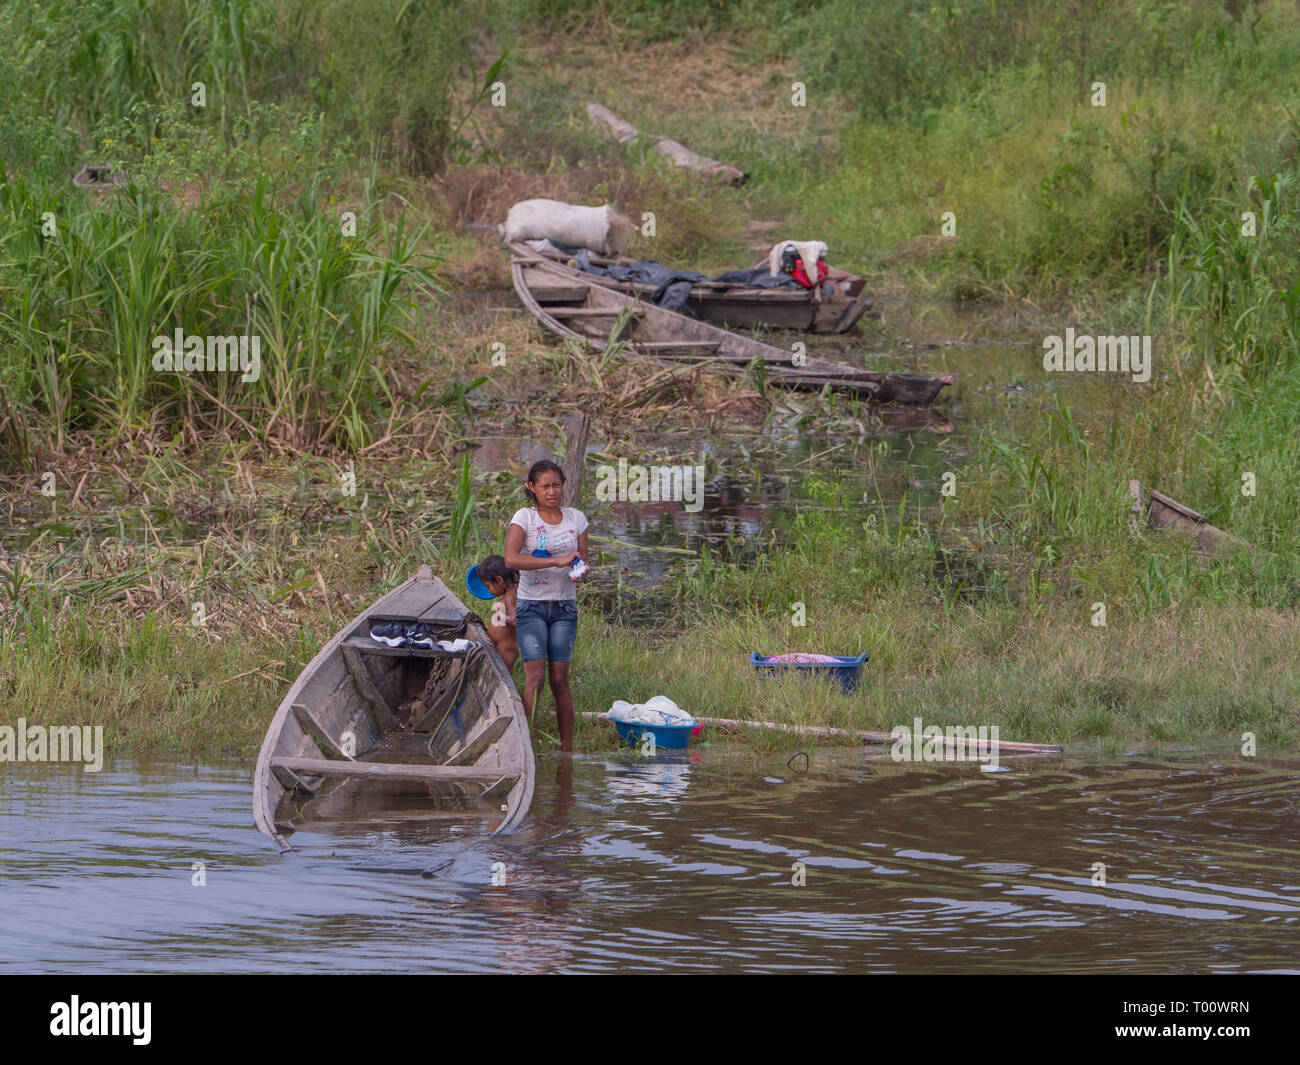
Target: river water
x=633, y=864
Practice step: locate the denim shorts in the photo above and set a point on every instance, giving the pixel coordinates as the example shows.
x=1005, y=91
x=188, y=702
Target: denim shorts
x=546, y=629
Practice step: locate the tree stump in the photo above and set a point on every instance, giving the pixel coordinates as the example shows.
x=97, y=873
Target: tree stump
x=575, y=457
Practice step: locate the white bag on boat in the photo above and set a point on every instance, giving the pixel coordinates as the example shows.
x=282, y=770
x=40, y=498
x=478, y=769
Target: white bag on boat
x=807, y=250
x=602, y=229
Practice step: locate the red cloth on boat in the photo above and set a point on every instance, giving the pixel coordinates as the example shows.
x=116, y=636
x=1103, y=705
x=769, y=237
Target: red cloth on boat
x=800, y=275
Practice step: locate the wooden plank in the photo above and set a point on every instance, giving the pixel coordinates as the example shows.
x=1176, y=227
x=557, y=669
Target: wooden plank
x=672, y=345
x=470, y=813
x=444, y=609
x=291, y=781
x=397, y=771
x=725, y=292
x=499, y=790
x=1135, y=509
x=590, y=312
x=556, y=256
x=338, y=708
x=406, y=603
x=883, y=386
x=735, y=314
x=366, y=646
x=692, y=353
x=559, y=293
x=379, y=708
x=867, y=736
x=476, y=747
x=312, y=729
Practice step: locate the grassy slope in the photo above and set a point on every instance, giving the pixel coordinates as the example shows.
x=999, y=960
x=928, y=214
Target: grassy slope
x=1057, y=202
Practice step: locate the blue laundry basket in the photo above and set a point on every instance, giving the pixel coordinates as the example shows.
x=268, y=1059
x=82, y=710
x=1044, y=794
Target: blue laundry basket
x=847, y=671
x=671, y=737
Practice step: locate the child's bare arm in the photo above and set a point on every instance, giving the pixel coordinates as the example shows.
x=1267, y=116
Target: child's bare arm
x=508, y=601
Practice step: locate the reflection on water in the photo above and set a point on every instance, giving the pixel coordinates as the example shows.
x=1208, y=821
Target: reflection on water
x=683, y=863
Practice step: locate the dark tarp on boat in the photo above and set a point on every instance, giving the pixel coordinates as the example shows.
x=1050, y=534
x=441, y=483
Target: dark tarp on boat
x=672, y=287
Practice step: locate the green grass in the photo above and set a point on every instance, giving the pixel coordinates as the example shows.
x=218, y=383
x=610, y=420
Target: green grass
x=80, y=309
x=156, y=680
x=1123, y=218
x=387, y=76
x=104, y=632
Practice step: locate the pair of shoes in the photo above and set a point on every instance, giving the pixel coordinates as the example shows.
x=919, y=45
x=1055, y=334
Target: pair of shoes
x=402, y=634
x=421, y=634
x=392, y=633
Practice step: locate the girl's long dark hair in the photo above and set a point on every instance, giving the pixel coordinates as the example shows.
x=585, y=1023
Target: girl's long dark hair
x=538, y=468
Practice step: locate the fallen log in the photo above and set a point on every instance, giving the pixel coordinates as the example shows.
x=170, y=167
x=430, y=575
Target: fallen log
x=625, y=132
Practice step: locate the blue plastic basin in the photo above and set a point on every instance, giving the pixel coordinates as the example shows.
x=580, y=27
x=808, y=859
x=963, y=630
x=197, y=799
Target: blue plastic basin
x=476, y=586
x=669, y=736
x=846, y=671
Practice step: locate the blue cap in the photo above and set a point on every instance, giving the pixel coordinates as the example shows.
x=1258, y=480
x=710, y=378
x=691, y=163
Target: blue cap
x=477, y=588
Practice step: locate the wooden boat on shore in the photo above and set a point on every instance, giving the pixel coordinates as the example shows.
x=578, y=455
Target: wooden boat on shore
x=572, y=304
x=370, y=732
x=738, y=306
x=1163, y=512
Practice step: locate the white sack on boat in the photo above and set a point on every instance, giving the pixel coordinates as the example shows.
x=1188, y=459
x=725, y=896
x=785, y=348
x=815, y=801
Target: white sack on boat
x=602, y=229
x=657, y=711
x=807, y=250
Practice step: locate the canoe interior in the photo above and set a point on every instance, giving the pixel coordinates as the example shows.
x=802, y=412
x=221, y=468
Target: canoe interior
x=752, y=307
x=570, y=303
x=403, y=707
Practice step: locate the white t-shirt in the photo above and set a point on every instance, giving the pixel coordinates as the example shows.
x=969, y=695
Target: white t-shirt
x=562, y=539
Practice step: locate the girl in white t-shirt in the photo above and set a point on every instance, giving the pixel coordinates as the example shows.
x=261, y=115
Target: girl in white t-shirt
x=543, y=541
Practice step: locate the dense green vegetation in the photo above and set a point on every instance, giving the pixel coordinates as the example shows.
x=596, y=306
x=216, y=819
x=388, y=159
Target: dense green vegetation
x=1166, y=211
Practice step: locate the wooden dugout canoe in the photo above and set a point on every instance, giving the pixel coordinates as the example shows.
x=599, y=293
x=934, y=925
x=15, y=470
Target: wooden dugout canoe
x=371, y=732
x=752, y=307
x=1164, y=512
x=570, y=303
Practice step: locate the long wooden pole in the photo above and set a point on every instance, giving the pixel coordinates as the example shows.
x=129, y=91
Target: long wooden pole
x=826, y=732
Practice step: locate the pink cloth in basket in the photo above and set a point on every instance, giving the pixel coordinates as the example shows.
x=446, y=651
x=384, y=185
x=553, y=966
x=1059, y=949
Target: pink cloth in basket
x=802, y=656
